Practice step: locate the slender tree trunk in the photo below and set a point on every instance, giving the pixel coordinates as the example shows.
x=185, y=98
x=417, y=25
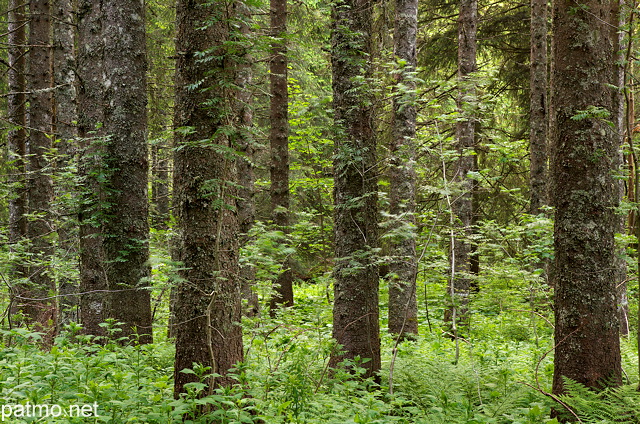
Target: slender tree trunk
x=208, y=296
x=462, y=205
x=37, y=301
x=17, y=135
x=64, y=68
x=403, y=307
x=160, y=185
x=246, y=177
x=619, y=120
x=355, y=310
x=538, y=107
x=90, y=67
x=585, y=149
x=160, y=94
x=126, y=227
x=279, y=140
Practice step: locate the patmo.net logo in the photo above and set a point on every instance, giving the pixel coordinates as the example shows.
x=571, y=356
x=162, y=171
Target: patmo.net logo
x=10, y=411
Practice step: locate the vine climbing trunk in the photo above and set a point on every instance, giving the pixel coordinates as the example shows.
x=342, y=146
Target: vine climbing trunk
x=355, y=309
x=208, y=296
x=403, y=307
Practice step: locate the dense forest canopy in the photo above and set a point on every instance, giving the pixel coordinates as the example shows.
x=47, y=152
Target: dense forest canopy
x=393, y=211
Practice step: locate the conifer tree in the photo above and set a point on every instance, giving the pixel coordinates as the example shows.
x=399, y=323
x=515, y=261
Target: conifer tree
x=355, y=309
x=208, y=295
x=279, y=142
x=126, y=227
x=584, y=155
x=403, y=308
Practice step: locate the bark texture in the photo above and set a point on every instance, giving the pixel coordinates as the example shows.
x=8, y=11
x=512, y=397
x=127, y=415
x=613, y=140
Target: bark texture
x=355, y=310
x=17, y=135
x=279, y=141
x=462, y=205
x=585, y=195
x=538, y=107
x=208, y=297
x=403, y=307
x=126, y=229
x=90, y=67
x=36, y=301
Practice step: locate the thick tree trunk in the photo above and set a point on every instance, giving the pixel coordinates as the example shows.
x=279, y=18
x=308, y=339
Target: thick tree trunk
x=64, y=69
x=462, y=206
x=17, y=135
x=279, y=140
x=585, y=195
x=126, y=227
x=403, y=307
x=538, y=107
x=208, y=297
x=355, y=310
x=36, y=301
x=90, y=67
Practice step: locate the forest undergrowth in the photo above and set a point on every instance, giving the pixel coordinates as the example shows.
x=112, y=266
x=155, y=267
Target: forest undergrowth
x=499, y=372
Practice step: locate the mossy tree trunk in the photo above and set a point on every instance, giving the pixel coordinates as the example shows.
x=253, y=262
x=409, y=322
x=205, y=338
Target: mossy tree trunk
x=584, y=155
x=403, y=307
x=90, y=64
x=355, y=309
x=208, y=297
x=126, y=227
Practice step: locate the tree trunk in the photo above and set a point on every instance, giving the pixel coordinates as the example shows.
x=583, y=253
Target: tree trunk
x=36, y=301
x=355, y=310
x=246, y=176
x=126, y=227
x=64, y=69
x=585, y=195
x=160, y=185
x=538, y=107
x=208, y=296
x=17, y=135
x=462, y=206
x=90, y=67
x=279, y=140
x=619, y=119
x=403, y=307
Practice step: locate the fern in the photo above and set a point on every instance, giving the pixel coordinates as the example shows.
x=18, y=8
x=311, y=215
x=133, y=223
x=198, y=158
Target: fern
x=612, y=405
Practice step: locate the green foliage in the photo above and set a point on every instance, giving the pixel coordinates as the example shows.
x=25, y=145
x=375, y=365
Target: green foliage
x=612, y=405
